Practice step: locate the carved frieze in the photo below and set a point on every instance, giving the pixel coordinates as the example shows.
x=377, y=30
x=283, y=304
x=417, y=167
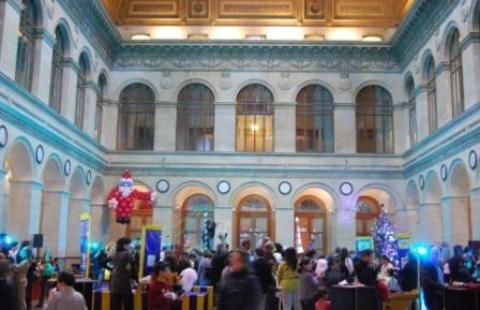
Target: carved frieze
x=261, y=57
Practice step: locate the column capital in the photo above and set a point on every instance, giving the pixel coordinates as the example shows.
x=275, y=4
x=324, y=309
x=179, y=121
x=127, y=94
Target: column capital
x=450, y=198
x=84, y=200
x=34, y=183
x=44, y=35
x=58, y=192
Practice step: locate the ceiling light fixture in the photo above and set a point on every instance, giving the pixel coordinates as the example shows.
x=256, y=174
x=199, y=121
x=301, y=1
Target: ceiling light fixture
x=198, y=36
x=255, y=37
x=372, y=38
x=140, y=37
x=314, y=37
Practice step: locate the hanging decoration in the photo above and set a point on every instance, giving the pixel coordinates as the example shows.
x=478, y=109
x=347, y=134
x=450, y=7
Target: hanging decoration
x=383, y=233
x=208, y=231
x=123, y=197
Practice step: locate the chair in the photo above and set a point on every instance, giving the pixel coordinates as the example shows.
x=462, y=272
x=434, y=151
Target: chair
x=400, y=301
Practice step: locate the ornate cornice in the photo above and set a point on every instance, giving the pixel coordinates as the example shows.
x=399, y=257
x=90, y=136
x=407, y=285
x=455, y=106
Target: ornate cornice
x=243, y=56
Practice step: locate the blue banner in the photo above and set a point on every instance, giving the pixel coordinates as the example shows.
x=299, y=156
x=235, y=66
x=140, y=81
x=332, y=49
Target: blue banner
x=151, y=248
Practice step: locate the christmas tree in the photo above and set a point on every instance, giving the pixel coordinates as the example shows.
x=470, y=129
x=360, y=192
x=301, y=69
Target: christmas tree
x=383, y=233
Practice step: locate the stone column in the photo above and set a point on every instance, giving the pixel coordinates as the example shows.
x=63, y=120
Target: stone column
x=77, y=207
x=401, y=128
x=330, y=230
x=10, y=11
x=431, y=222
x=89, y=111
x=51, y=223
x=3, y=202
x=455, y=220
x=163, y=216
x=165, y=126
x=63, y=224
x=423, y=129
x=345, y=227
x=225, y=122
x=409, y=219
x=69, y=90
x=345, y=132
x=471, y=73
x=100, y=229
x=475, y=212
x=284, y=127
x=223, y=216
x=110, y=125
x=24, y=207
x=285, y=225
x=444, y=95
x=42, y=66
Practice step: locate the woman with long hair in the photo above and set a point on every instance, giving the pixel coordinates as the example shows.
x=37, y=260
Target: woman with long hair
x=289, y=280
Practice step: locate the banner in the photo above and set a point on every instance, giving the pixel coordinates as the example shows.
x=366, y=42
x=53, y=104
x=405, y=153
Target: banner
x=84, y=241
x=150, y=249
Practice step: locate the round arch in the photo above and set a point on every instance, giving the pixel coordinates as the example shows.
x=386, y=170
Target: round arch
x=408, y=78
x=52, y=175
x=200, y=81
x=450, y=30
x=427, y=57
x=323, y=191
x=459, y=203
x=474, y=16
x=310, y=82
x=189, y=188
x=250, y=188
x=374, y=82
x=78, y=186
x=87, y=58
x=64, y=27
x=132, y=81
x=261, y=82
x=19, y=160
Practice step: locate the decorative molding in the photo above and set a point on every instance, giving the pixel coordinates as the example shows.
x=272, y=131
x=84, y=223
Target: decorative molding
x=248, y=56
x=3, y=136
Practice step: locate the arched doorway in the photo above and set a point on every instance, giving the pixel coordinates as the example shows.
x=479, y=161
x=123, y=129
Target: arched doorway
x=254, y=219
x=19, y=188
x=368, y=210
x=100, y=213
x=194, y=210
x=311, y=225
x=431, y=218
x=53, y=197
x=79, y=203
x=460, y=208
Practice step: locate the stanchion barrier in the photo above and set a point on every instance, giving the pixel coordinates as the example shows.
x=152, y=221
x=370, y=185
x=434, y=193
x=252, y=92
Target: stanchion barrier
x=102, y=300
x=194, y=301
x=207, y=290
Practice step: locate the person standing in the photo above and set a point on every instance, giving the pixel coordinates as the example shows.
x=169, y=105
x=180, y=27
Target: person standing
x=65, y=297
x=309, y=288
x=24, y=271
x=433, y=281
x=122, y=275
x=289, y=281
x=263, y=270
x=8, y=290
x=161, y=295
x=240, y=288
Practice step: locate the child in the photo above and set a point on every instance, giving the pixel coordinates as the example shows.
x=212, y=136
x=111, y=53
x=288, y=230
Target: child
x=161, y=292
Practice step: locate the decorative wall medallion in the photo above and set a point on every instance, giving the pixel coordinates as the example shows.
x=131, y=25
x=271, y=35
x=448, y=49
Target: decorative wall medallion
x=285, y=188
x=345, y=84
x=163, y=186
x=67, y=167
x=39, y=154
x=3, y=135
x=284, y=82
x=444, y=172
x=473, y=159
x=421, y=181
x=346, y=188
x=223, y=187
x=88, y=177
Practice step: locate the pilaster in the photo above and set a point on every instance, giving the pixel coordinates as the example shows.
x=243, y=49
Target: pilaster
x=430, y=222
x=471, y=73
x=344, y=125
x=165, y=126
x=284, y=128
x=69, y=91
x=285, y=225
x=42, y=66
x=225, y=122
x=89, y=111
x=444, y=95
x=10, y=11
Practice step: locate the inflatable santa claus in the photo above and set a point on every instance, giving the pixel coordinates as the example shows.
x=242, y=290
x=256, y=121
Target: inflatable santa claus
x=123, y=197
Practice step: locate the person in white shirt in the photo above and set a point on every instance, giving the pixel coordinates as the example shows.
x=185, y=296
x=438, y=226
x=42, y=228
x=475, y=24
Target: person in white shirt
x=385, y=267
x=65, y=297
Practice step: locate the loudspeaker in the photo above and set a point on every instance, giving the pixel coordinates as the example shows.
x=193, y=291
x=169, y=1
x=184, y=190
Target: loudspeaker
x=37, y=241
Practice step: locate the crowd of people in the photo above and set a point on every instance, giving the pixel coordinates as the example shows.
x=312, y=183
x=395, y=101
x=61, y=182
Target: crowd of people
x=265, y=277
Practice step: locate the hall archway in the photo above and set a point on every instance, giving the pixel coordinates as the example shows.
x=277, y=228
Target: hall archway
x=459, y=202
x=431, y=218
x=311, y=228
x=79, y=203
x=101, y=214
x=19, y=185
x=53, y=197
x=253, y=220
x=408, y=217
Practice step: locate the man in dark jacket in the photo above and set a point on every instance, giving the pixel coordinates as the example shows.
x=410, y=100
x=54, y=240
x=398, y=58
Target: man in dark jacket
x=433, y=281
x=240, y=289
x=264, y=273
x=122, y=275
x=409, y=274
x=365, y=270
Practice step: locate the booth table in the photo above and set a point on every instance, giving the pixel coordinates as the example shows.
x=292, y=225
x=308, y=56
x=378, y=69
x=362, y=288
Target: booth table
x=353, y=297
x=459, y=298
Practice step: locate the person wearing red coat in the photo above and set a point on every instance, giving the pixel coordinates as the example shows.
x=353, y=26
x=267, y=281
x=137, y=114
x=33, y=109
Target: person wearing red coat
x=160, y=294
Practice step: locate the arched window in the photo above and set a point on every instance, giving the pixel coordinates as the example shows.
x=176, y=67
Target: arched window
x=81, y=86
x=311, y=225
x=56, y=80
x=26, y=45
x=374, y=115
x=456, y=74
x=431, y=86
x=314, y=119
x=193, y=215
x=368, y=210
x=255, y=119
x=412, y=110
x=102, y=84
x=195, y=118
x=253, y=220
x=136, y=118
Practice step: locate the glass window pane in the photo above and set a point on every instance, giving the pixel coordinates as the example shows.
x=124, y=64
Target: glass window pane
x=246, y=224
x=317, y=225
x=261, y=224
